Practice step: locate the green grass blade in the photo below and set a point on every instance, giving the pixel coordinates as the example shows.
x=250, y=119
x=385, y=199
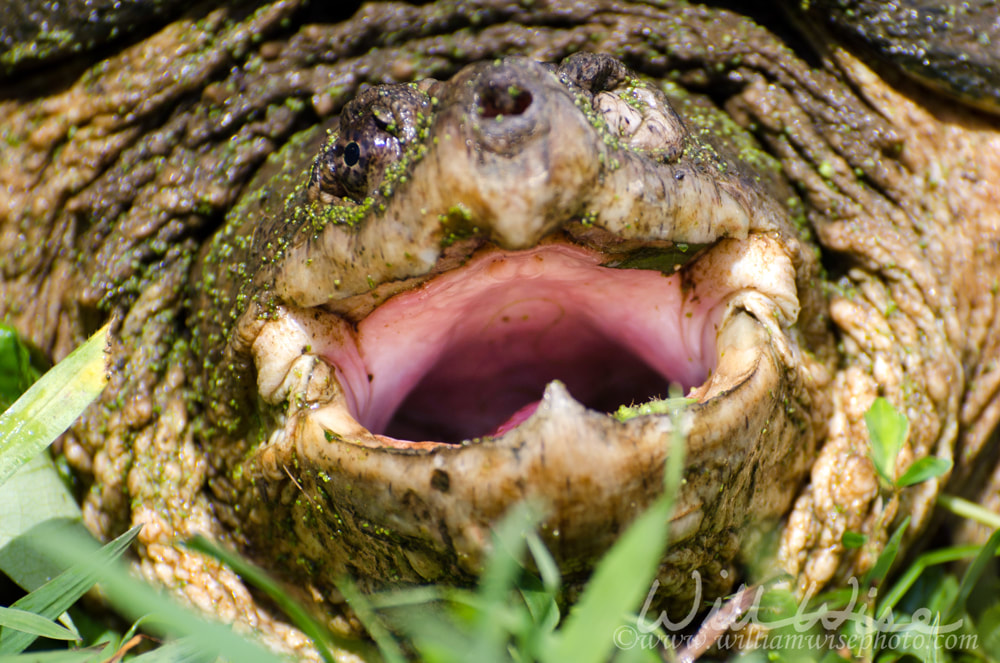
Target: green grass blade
x=497, y=617
x=29, y=622
x=62, y=656
x=910, y=575
x=384, y=639
x=407, y=597
x=484, y=625
x=542, y=602
x=887, y=557
x=587, y=635
x=542, y=606
x=135, y=599
x=56, y=596
x=988, y=628
x=33, y=496
x=624, y=575
x=974, y=572
x=322, y=638
x=54, y=402
x=970, y=510
x=509, y=542
x=182, y=650
x=547, y=567
x=16, y=370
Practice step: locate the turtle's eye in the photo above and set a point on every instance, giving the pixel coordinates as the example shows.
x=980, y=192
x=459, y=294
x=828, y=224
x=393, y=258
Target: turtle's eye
x=352, y=153
x=360, y=164
x=374, y=131
x=353, y=166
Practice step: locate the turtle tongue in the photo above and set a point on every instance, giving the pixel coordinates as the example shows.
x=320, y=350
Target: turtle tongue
x=515, y=419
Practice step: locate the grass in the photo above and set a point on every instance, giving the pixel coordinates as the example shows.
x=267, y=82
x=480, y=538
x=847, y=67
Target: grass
x=930, y=610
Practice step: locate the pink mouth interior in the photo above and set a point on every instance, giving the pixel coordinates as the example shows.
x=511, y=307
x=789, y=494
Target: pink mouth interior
x=469, y=353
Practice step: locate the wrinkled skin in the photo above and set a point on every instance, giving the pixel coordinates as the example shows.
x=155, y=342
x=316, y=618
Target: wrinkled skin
x=113, y=184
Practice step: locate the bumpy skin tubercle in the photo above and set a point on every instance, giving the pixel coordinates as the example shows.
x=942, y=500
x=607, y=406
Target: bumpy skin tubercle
x=199, y=184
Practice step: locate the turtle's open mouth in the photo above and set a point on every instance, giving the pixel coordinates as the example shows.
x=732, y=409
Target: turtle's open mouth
x=469, y=353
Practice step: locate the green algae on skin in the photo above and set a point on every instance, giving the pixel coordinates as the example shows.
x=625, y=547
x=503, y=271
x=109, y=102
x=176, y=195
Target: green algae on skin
x=457, y=225
x=667, y=260
x=669, y=406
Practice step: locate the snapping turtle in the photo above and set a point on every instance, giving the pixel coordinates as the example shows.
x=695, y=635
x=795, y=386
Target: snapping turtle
x=350, y=334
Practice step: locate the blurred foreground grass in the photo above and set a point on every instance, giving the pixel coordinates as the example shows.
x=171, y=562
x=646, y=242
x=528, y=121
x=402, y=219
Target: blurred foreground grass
x=928, y=612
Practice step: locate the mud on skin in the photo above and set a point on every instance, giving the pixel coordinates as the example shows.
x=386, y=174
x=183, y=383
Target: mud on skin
x=275, y=251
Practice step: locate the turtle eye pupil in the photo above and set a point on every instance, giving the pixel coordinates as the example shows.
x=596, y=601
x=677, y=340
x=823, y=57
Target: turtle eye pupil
x=352, y=153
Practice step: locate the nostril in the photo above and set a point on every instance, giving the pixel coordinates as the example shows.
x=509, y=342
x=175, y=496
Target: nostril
x=509, y=100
